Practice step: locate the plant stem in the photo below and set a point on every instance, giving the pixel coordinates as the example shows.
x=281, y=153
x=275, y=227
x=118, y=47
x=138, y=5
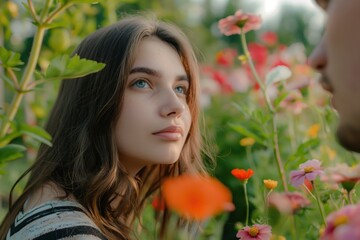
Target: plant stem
x=267, y=195
x=45, y=10
x=309, y=192
x=56, y=12
x=13, y=77
x=2, y=85
x=277, y=154
x=29, y=70
x=32, y=11
x=293, y=227
x=33, y=59
x=250, y=158
x=318, y=202
x=349, y=197
x=247, y=204
x=271, y=109
x=254, y=72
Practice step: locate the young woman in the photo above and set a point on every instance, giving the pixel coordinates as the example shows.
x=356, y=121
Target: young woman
x=116, y=134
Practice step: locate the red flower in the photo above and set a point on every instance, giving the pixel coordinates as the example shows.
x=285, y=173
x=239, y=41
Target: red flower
x=158, y=203
x=221, y=79
x=226, y=57
x=259, y=53
x=242, y=174
x=280, y=62
x=269, y=38
x=239, y=22
x=308, y=185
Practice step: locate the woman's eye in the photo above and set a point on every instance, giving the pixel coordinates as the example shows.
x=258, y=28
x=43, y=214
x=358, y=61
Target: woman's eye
x=181, y=90
x=141, y=84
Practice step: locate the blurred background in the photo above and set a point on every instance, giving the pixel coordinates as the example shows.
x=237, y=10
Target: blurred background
x=290, y=30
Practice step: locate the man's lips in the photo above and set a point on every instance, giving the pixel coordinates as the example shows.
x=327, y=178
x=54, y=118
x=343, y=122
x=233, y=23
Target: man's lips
x=171, y=133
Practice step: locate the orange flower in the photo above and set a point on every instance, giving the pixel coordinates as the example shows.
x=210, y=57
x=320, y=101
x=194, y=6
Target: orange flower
x=313, y=130
x=242, y=174
x=248, y=141
x=270, y=184
x=196, y=197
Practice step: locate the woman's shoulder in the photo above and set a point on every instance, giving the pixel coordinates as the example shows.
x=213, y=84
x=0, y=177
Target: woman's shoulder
x=58, y=219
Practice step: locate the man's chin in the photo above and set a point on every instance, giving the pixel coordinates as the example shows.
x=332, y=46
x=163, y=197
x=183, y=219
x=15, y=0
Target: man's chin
x=349, y=137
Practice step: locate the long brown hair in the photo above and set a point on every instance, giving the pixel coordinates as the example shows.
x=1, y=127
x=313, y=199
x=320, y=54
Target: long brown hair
x=84, y=160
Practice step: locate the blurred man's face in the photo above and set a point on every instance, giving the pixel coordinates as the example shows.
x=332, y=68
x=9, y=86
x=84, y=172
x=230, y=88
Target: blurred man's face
x=337, y=58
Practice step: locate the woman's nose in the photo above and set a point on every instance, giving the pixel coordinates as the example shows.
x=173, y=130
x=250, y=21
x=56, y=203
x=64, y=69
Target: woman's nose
x=172, y=106
x=318, y=58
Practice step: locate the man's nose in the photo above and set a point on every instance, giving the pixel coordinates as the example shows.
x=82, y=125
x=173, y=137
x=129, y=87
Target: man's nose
x=318, y=58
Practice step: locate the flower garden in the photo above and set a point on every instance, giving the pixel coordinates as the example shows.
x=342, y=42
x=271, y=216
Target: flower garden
x=279, y=174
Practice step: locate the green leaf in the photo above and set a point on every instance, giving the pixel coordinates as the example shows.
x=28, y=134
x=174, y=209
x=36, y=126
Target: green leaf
x=36, y=132
x=303, y=150
x=277, y=74
x=65, y=67
x=9, y=137
x=9, y=59
x=83, y=1
x=244, y=131
x=11, y=152
x=280, y=98
x=8, y=81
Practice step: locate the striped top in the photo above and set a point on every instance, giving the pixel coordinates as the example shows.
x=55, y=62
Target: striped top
x=59, y=219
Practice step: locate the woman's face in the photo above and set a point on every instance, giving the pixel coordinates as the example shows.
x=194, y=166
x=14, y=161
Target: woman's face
x=155, y=118
x=337, y=58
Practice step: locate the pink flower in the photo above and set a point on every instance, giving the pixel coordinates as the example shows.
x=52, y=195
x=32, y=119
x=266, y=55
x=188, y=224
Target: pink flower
x=256, y=232
x=308, y=170
x=342, y=174
x=288, y=202
x=343, y=224
x=294, y=102
x=238, y=23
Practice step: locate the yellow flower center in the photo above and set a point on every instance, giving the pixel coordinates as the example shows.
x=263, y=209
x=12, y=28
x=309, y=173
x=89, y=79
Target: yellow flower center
x=309, y=169
x=340, y=220
x=253, y=231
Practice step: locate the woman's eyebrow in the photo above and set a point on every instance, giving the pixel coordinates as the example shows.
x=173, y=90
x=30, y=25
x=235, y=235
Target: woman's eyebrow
x=146, y=70
x=155, y=73
x=182, y=78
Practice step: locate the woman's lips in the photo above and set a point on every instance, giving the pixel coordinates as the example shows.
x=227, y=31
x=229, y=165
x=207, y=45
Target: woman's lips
x=171, y=133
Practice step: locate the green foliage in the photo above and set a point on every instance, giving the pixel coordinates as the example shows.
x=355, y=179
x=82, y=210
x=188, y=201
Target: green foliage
x=11, y=152
x=9, y=58
x=303, y=151
x=62, y=67
x=36, y=132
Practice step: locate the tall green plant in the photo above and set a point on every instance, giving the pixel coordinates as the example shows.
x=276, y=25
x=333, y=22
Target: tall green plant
x=60, y=67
